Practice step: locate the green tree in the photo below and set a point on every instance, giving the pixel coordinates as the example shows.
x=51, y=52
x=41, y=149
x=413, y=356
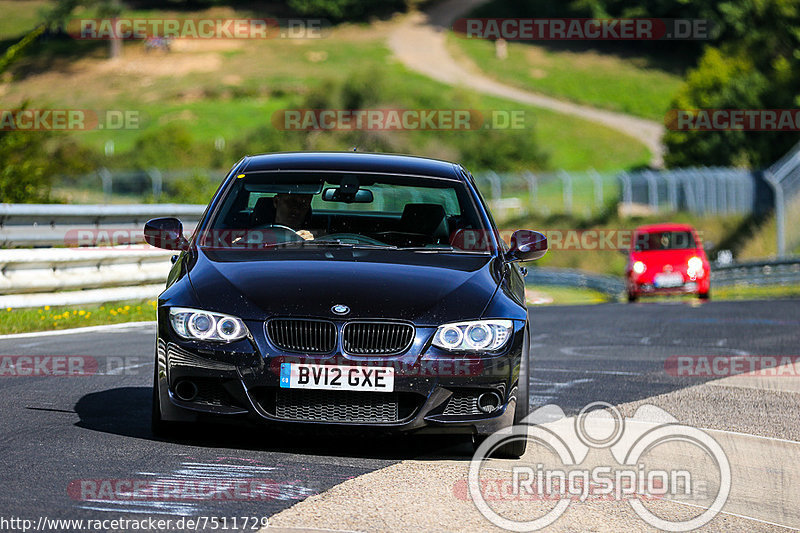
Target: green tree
x=344, y=9
x=756, y=66
x=26, y=171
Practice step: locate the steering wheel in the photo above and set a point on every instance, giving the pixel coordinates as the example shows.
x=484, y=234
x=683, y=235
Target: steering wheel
x=282, y=233
x=357, y=237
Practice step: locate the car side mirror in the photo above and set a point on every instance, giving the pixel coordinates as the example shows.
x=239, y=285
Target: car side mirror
x=166, y=233
x=527, y=245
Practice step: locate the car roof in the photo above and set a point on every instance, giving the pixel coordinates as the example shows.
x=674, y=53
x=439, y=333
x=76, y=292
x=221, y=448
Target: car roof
x=352, y=161
x=665, y=226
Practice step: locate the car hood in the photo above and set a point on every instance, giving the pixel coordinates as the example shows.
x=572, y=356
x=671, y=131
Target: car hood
x=426, y=288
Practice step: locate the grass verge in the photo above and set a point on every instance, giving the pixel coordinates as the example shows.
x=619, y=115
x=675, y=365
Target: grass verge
x=53, y=318
x=229, y=89
x=743, y=292
x=546, y=295
x=625, y=84
x=551, y=295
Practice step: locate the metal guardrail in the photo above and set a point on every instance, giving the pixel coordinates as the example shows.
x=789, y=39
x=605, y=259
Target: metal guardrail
x=567, y=277
x=30, y=276
x=754, y=273
x=58, y=269
x=29, y=225
x=773, y=272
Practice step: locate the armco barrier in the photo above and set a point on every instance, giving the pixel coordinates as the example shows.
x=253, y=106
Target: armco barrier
x=31, y=225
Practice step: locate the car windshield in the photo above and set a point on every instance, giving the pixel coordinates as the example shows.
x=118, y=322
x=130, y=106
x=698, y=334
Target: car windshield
x=665, y=240
x=280, y=209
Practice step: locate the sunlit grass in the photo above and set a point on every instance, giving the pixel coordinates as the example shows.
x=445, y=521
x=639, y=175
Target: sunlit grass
x=553, y=295
x=228, y=89
x=753, y=292
x=54, y=318
x=623, y=84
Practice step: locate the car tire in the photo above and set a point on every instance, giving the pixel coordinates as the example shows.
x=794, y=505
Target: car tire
x=704, y=295
x=632, y=297
x=516, y=448
x=158, y=426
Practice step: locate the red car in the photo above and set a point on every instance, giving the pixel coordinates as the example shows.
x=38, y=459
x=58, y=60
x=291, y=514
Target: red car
x=666, y=259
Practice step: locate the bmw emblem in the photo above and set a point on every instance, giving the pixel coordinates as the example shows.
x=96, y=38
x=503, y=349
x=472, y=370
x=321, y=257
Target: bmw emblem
x=340, y=309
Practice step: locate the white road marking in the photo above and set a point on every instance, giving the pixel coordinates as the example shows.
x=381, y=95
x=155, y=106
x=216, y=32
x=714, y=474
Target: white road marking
x=88, y=329
x=119, y=370
x=549, y=394
x=601, y=372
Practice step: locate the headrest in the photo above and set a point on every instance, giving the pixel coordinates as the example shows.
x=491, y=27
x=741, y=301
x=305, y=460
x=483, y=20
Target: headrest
x=427, y=219
x=263, y=212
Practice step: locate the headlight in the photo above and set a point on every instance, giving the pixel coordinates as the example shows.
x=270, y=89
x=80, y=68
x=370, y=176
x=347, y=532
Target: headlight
x=639, y=267
x=204, y=325
x=473, y=336
x=695, y=263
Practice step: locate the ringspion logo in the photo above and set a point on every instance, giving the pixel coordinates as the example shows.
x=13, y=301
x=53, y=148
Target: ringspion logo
x=600, y=455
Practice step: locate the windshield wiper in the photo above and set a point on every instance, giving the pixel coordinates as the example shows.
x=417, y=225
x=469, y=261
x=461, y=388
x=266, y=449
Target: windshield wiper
x=330, y=244
x=449, y=249
x=314, y=243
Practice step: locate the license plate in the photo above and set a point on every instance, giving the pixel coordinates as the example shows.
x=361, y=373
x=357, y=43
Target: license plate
x=668, y=280
x=335, y=377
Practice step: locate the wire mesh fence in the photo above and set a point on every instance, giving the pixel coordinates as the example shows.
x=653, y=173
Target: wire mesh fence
x=784, y=177
x=702, y=190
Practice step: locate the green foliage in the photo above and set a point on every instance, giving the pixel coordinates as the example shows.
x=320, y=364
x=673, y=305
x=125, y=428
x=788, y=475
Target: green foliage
x=755, y=67
x=344, y=9
x=195, y=189
x=171, y=146
x=29, y=160
x=26, y=172
x=370, y=88
x=16, y=51
x=752, y=63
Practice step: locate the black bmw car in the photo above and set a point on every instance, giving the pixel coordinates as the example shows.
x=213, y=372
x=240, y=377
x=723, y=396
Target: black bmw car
x=345, y=289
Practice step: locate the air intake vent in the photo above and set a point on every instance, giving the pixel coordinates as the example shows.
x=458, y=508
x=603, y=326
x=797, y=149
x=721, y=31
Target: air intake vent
x=304, y=336
x=463, y=404
x=376, y=338
x=336, y=406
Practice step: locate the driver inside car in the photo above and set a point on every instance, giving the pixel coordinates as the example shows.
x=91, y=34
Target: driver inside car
x=294, y=211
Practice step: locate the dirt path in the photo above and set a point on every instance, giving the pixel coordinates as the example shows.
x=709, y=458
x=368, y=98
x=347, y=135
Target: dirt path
x=419, y=43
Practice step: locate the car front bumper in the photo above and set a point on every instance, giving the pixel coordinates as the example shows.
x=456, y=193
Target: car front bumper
x=433, y=392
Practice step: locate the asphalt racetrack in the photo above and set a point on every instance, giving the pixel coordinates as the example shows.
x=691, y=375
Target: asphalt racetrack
x=63, y=437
